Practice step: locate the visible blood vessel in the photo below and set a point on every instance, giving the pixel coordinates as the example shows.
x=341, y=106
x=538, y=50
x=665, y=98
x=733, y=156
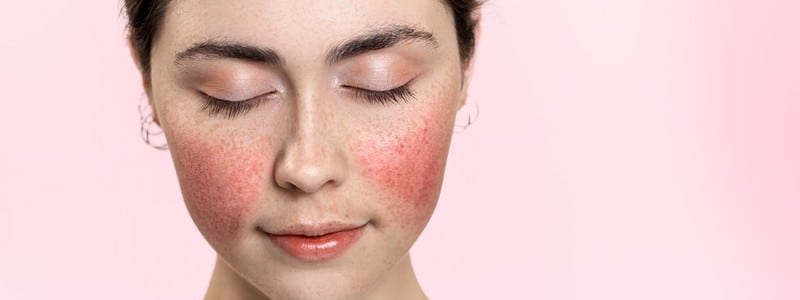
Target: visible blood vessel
x=224, y=180
x=221, y=184
x=408, y=163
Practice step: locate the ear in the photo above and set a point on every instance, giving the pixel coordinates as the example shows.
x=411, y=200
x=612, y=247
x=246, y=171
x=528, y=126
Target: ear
x=145, y=78
x=469, y=66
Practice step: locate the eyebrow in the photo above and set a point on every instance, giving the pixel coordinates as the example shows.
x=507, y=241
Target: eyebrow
x=226, y=49
x=376, y=39
x=380, y=38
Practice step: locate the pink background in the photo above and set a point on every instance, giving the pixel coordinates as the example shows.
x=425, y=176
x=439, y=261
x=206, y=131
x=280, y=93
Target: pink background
x=625, y=150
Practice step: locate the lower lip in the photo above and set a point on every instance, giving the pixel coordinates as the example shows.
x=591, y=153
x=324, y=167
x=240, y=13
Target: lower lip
x=318, y=248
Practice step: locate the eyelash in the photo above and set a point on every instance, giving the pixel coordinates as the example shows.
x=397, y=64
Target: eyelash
x=393, y=96
x=233, y=109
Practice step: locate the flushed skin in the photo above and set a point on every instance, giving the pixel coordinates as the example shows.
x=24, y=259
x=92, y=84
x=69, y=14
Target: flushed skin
x=314, y=152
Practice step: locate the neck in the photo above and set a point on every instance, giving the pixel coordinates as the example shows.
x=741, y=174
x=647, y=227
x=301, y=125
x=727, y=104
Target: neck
x=399, y=283
x=227, y=284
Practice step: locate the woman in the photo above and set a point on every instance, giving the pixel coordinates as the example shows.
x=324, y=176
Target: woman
x=309, y=137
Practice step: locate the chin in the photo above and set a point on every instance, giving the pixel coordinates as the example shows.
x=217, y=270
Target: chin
x=314, y=284
x=353, y=275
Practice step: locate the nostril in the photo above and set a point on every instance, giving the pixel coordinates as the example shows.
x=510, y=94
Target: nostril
x=287, y=185
x=304, y=177
x=308, y=165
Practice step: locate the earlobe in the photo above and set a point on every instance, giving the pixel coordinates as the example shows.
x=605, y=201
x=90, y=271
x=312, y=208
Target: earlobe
x=153, y=110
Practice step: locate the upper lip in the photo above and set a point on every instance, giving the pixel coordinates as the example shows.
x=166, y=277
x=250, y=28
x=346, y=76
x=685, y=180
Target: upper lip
x=313, y=230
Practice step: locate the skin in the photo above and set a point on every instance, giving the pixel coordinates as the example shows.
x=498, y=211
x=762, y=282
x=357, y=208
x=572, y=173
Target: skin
x=313, y=151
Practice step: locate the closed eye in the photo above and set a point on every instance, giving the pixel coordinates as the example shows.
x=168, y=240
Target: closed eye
x=395, y=95
x=231, y=109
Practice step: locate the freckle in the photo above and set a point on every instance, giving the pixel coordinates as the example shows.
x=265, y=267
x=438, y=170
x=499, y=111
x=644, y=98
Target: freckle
x=408, y=164
x=221, y=185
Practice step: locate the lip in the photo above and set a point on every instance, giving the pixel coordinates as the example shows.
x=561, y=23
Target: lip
x=314, y=243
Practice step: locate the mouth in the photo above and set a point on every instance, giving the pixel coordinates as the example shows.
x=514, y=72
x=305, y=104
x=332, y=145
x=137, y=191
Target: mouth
x=314, y=243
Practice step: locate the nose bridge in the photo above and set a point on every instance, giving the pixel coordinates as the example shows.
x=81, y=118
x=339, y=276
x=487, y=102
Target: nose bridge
x=311, y=156
x=309, y=136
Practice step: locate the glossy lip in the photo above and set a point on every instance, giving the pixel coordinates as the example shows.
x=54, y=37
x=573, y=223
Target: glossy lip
x=313, y=243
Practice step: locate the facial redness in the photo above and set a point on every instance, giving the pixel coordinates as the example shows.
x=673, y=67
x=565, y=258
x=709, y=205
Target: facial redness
x=221, y=183
x=408, y=163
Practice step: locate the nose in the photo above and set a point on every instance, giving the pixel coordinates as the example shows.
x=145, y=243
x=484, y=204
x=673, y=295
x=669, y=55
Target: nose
x=311, y=158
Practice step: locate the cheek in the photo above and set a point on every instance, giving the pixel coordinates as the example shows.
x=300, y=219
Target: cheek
x=408, y=167
x=221, y=185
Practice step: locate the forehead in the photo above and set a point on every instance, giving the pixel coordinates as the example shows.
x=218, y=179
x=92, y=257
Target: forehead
x=304, y=26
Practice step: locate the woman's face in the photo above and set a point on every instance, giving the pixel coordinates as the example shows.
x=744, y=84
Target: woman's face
x=324, y=159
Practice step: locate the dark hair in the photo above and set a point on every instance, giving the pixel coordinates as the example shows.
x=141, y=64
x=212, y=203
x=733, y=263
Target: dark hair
x=145, y=17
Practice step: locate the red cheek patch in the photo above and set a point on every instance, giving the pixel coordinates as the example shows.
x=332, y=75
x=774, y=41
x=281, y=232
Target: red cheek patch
x=408, y=165
x=221, y=185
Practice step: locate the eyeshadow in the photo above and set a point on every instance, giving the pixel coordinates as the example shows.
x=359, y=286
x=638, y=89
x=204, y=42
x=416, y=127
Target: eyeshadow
x=378, y=72
x=231, y=81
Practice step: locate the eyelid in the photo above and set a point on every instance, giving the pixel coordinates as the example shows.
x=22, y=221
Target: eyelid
x=231, y=109
x=373, y=85
x=208, y=95
x=233, y=92
x=359, y=87
x=382, y=85
x=233, y=81
x=394, y=95
x=382, y=71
